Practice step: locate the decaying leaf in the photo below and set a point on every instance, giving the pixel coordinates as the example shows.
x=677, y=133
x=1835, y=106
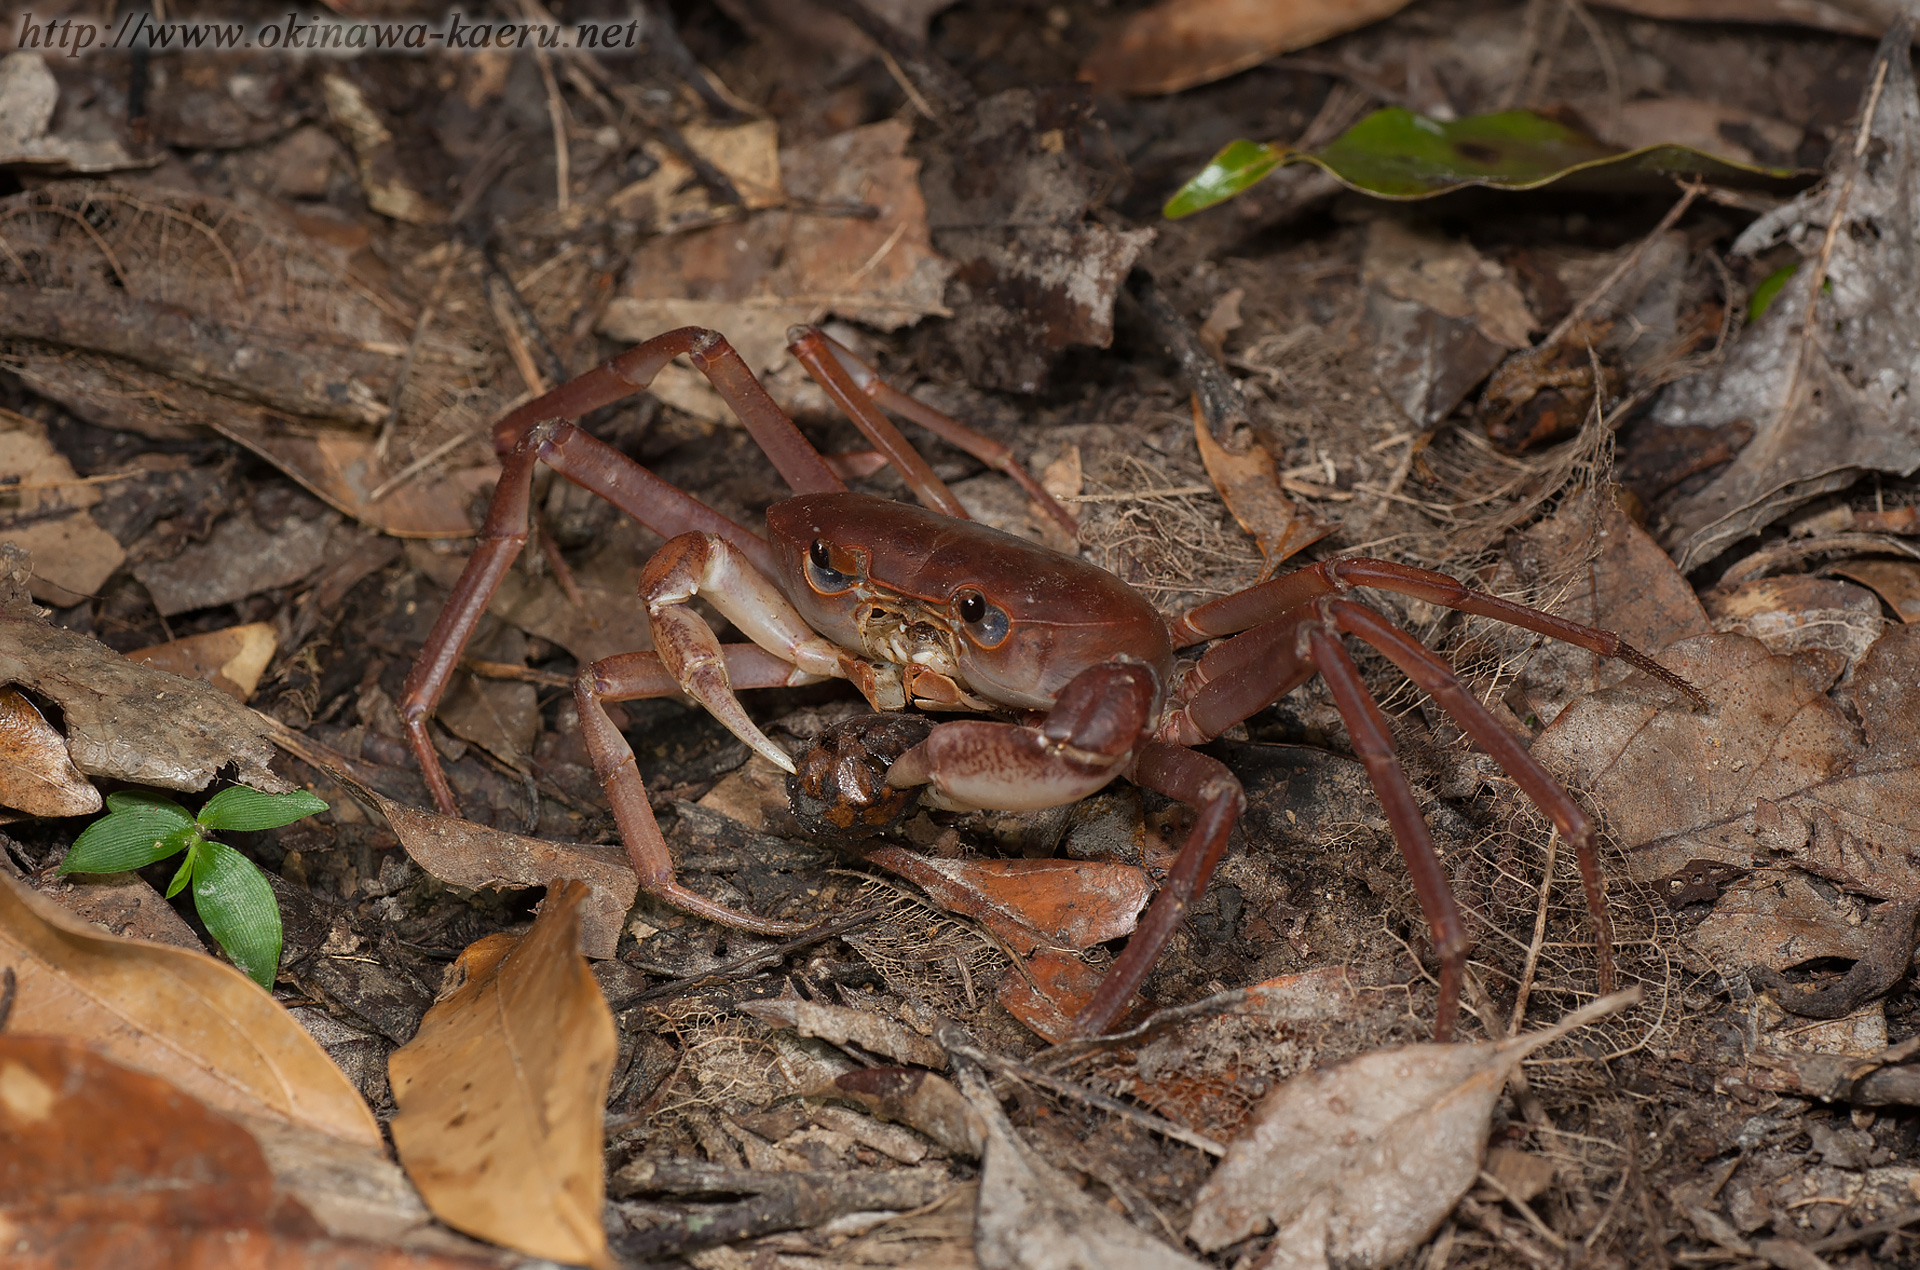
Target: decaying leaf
x=1031, y=1216
x=1358, y=1164
x=1249, y=484
x=1895, y=581
x=123, y=719
x=1826, y=375
x=197, y=1022
x=390, y=188
x=502, y=1092
x=232, y=659
x=1177, y=44
x=1849, y=17
x=921, y=1100
x=753, y=280
x=1774, y=768
x=840, y=1024
x=109, y=1166
x=1790, y=614
x=37, y=775
x=470, y=855
x=670, y=198
x=28, y=97
x=164, y=311
x=241, y=558
x=45, y=506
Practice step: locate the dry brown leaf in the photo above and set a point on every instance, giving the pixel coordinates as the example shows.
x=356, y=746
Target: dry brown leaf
x=920, y=1100
x=1773, y=768
x=29, y=95
x=1849, y=17
x=37, y=774
x=187, y=1018
x=1031, y=1216
x=232, y=659
x=1791, y=614
x=165, y=311
x=751, y=280
x=1031, y=903
x=121, y=904
x=1179, y=43
x=125, y=720
x=108, y=1166
x=840, y=1025
x=1895, y=581
x=1249, y=484
x=1358, y=1164
x=389, y=187
x=503, y=1091
x=669, y=198
x=474, y=856
x=1823, y=375
x=48, y=516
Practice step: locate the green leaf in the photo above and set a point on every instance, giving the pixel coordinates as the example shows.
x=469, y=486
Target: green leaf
x=134, y=835
x=234, y=900
x=1396, y=154
x=244, y=808
x=1764, y=294
x=1239, y=165
x=184, y=873
x=140, y=799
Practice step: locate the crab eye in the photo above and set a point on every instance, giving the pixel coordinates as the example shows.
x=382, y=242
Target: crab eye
x=987, y=624
x=821, y=575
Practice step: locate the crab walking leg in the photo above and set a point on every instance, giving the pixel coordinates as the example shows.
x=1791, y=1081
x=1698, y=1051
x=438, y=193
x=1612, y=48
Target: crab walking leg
x=808, y=347
x=539, y=431
x=1373, y=744
x=629, y=677
x=941, y=424
x=1434, y=677
x=1273, y=598
x=1205, y=785
x=703, y=564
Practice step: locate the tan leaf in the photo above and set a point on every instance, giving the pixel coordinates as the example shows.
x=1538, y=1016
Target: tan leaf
x=1895, y=581
x=1070, y=903
x=1179, y=43
x=840, y=1024
x=1249, y=484
x=1356, y=1165
x=502, y=1092
x=181, y=1015
x=72, y=556
x=37, y=775
x=232, y=659
x=474, y=856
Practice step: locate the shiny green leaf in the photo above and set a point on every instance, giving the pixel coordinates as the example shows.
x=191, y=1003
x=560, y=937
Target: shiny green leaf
x=1396, y=154
x=133, y=836
x=184, y=874
x=1241, y=164
x=243, y=808
x=234, y=900
x=1764, y=294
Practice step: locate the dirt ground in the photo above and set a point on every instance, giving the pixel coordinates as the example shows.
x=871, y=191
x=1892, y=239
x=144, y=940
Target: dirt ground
x=957, y=205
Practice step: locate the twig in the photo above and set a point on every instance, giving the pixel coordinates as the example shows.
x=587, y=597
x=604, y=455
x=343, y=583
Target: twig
x=1033, y=1075
x=1692, y=190
x=755, y=961
x=1539, y=938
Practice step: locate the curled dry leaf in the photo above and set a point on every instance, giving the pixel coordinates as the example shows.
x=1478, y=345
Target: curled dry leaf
x=125, y=720
x=197, y=1022
x=37, y=775
x=48, y=517
x=1825, y=375
x=1031, y=903
x=28, y=97
x=108, y=1166
x=232, y=659
x=1774, y=767
x=1031, y=1216
x=841, y=1025
x=502, y=1092
x=1177, y=44
x=1358, y=1164
x=474, y=856
x=1249, y=484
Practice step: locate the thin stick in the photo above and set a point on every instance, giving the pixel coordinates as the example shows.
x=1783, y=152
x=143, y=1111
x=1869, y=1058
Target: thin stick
x=1539, y=937
x=1621, y=270
x=1033, y=1075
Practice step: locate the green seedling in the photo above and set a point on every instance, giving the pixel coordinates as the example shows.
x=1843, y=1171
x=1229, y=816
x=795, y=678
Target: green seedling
x=229, y=891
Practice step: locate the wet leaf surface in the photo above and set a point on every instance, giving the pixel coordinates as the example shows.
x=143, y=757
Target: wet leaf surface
x=501, y=1093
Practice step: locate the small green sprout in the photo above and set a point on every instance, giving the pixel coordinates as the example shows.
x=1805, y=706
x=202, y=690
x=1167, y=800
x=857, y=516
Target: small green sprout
x=229, y=891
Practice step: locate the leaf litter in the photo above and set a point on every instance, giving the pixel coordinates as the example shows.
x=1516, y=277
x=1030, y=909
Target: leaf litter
x=491, y=282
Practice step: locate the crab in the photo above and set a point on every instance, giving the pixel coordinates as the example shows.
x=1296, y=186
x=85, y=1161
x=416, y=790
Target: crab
x=923, y=607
